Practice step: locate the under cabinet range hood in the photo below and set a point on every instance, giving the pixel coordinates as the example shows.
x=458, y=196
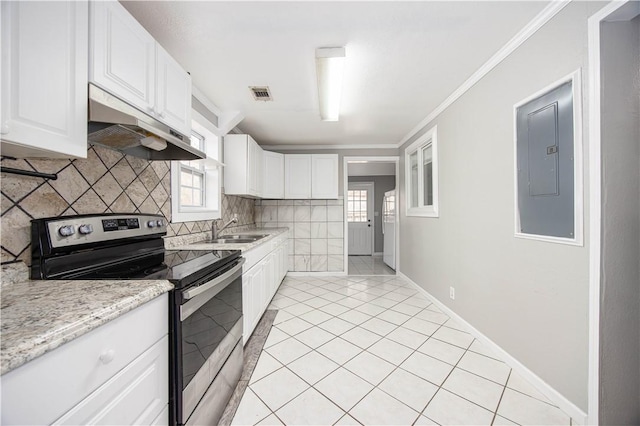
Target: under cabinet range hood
x=118, y=125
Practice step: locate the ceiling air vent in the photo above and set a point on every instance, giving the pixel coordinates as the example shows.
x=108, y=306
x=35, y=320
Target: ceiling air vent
x=261, y=93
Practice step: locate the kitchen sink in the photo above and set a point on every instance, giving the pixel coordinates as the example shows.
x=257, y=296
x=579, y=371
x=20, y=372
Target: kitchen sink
x=232, y=240
x=247, y=236
x=237, y=239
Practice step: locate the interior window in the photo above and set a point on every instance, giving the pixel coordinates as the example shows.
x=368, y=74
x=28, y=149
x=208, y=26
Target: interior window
x=421, y=159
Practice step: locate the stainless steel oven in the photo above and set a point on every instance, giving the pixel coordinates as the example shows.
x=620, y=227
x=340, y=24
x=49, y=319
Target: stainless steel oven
x=207, y=345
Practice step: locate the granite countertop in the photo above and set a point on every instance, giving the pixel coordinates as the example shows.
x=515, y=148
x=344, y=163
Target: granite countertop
x=203, y=245
x=39, y=316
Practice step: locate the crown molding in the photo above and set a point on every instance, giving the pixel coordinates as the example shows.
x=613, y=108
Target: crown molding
x=523, y=35
x=317, y=147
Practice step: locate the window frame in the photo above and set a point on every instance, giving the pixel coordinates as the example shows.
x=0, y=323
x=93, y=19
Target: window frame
x=359, y=211
x=430, y=138
x=212, y=182
x=199, y=170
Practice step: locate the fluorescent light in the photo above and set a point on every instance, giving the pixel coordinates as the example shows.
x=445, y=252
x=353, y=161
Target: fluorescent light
x=330, y=68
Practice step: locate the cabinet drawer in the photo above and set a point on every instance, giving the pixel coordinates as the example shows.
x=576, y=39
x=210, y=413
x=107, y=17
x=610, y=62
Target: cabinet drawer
x=60, y=379
x=135, y=396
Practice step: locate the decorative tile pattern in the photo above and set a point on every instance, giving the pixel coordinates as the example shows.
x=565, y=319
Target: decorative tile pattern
x=107, y=181
x=315, y=237
x=416, y=368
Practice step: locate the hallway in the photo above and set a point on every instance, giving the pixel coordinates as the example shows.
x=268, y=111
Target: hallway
x=368, y=265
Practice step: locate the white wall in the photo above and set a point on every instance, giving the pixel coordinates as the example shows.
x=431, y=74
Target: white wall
x=529, y=297
x=620, y=285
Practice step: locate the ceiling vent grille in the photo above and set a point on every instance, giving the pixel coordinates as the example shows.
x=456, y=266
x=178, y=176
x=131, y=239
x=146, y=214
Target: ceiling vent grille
x=261, y=93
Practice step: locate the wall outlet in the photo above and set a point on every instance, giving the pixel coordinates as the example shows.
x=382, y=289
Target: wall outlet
x=452, y=293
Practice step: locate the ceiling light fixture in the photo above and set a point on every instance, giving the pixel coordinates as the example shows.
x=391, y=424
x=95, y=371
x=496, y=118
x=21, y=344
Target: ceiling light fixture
x=330, y=70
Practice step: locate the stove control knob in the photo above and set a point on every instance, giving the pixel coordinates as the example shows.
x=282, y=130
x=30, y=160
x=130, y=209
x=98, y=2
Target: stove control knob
x=159, y=223
x=151, y=224
x=85, y=229
x=66, y=231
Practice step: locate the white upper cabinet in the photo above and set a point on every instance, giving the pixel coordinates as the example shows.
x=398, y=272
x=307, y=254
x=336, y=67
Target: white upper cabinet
x=174, y=92
x=249, y=170
x=324, y=176
x=243, y=166
x=255, y=168
x=126, y=61
x=273, y=172
x=123, y=55
x=44, y=79
x=297, y=176
x=311, y=176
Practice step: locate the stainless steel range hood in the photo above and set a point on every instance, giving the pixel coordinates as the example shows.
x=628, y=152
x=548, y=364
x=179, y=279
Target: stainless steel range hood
x=118, y=125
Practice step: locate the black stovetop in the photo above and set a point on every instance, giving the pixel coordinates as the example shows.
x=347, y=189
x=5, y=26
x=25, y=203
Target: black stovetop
x=117, y=246
x=181, y=267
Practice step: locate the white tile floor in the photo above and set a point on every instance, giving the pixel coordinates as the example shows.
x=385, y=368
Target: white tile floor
x=372, y=350
x=368, y=265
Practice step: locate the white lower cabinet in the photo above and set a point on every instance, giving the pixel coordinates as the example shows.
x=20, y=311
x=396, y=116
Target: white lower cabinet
x=115, y=374
x=265, y=270
x=134, y=396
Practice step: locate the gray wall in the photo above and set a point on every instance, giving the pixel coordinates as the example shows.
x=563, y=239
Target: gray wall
x=381, y=184
x=529, y=297
x=620, y=289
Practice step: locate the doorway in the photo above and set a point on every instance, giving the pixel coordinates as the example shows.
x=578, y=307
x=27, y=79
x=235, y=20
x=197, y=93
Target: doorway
x=614, y=94
x=370, y=222
x=360, y=218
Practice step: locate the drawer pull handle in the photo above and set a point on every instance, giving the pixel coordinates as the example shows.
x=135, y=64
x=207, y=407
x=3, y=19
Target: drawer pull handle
x=107, y=356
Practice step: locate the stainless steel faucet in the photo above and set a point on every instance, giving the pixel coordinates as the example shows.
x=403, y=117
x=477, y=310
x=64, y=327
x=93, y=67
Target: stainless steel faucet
x=215, y=232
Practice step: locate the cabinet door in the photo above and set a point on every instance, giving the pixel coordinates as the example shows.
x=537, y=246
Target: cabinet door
x=254, y=167
x=123, y=55
x=174, y=93
x=274, y=271
x=237, y=156
x=297, y=176
x=284, y=261
x=258, y=171
x=137, y=395
x=324, y=180
x=247, y=312
x=273, y=175
x=44, y=79
x=258, y=283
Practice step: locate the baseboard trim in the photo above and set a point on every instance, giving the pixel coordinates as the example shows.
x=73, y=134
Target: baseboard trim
x=377, y=254
x=315, y=274
x=579, y=416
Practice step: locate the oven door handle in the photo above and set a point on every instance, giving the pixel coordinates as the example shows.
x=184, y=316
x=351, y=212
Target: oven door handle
x=193, y=292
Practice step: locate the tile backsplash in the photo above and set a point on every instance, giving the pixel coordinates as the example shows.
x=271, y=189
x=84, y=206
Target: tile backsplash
x=107, y=181
x=316, y=231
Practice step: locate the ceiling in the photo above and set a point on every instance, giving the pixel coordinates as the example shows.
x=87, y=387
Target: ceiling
x=403, y=59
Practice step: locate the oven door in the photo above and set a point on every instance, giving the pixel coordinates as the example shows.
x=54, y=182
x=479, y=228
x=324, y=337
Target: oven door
x=206, y=324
